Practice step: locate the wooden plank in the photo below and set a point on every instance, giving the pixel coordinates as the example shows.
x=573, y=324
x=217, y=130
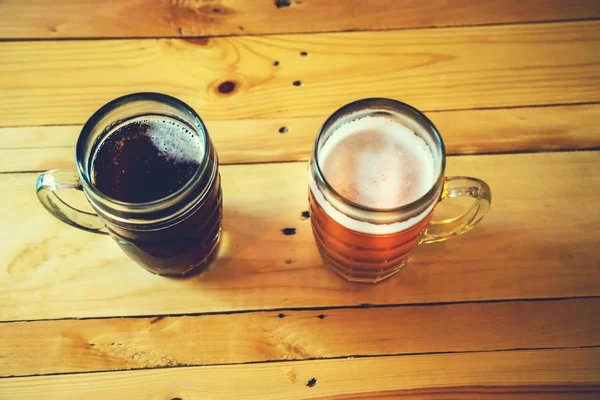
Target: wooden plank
x=32, y=348
x=259, y=140
x=545, y=371
x=64, y=82
x=570, y=393
x=113, y=18
x=534, y=244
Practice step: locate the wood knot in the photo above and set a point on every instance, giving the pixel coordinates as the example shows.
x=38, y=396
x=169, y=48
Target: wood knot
x=226, y=87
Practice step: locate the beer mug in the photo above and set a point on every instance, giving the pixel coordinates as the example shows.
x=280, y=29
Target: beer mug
x=146, y=164
x=375, y=176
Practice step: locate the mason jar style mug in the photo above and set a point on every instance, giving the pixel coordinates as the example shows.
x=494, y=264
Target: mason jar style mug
x=375, y=177
x=146, y=165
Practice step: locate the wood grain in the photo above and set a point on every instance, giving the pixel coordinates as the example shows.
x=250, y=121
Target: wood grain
x=504, y=372
x=146, y=18
x=38, y=148
x=64, y=82
x=534, y=244
x=32, y=348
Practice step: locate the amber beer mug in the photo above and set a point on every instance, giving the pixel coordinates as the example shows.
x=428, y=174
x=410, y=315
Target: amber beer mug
x=147, y=166
x=375, y=176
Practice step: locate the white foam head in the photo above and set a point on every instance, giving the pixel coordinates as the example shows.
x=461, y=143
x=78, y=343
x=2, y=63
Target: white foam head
x=379, y=163
x=175, y=140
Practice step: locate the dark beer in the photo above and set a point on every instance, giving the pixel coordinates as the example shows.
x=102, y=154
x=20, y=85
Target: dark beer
x=148, y=160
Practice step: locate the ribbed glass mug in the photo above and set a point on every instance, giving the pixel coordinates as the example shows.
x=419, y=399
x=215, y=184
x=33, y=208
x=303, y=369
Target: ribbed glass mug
x=386, y=237
x=175, y=235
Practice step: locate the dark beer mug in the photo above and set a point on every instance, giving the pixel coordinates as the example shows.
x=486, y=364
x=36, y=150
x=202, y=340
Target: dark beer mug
x=147, y=166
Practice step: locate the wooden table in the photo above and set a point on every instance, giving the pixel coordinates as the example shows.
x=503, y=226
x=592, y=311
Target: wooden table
x=508, y=311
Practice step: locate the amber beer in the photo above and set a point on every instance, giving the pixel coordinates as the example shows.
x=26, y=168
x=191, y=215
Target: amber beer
x=361, y=256
x=376, y=174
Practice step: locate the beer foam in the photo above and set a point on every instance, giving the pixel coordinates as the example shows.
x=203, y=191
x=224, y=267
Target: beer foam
x=174, y=140
x=378, y=163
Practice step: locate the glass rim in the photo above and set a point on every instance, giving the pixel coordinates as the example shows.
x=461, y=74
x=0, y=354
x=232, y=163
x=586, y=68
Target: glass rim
x=111, y=106
x=372, y=103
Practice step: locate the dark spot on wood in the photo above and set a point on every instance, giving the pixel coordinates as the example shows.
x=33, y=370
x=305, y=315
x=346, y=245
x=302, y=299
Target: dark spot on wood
x=297, y=83
x=201, y=41
x=321, y=316
x=216, y=10
x=289, y=231
x=288, y=261
x=281, y=315
x=282, y=3
x=303, y=53
x=227, y=87
x=92, y=344
x=312, y=382
x=305, y=214
x=241, y=28
x=276, y=63
x=112, y=344
x=176, y=398
x=283, y=129
x=180, y=31
x=155, y=320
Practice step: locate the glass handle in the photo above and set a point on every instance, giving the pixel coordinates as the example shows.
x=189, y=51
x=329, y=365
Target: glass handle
x=46, y=187
x=444, y=229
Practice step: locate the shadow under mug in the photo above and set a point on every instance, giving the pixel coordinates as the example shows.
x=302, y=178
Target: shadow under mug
x=386, y=237
x=175, y=235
